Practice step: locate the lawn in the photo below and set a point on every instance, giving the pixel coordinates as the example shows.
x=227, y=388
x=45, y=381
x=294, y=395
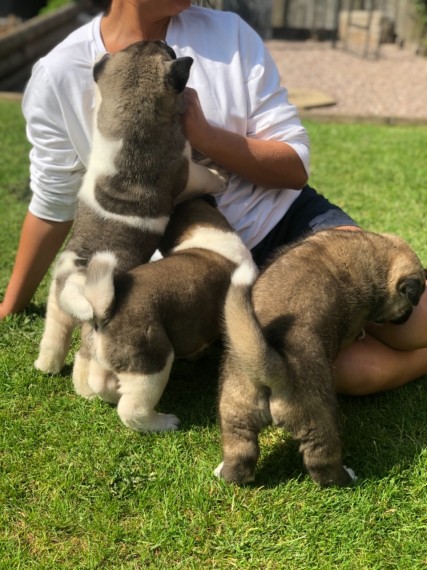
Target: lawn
x=80, y=491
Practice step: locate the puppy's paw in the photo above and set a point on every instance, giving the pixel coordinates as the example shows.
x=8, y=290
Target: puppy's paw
x=217, y=471
x=82, y=388
x=351, y=473
x=166, y=422
x=221, y=177
x=103, y=383
x=49, y=361
x=235, y=472
x=161, y=422
x=153, y=423
x=336, y=475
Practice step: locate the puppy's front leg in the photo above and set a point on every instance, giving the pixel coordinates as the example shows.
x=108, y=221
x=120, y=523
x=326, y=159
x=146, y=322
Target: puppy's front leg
x=56, y=338
x=202, y=179
x=139, y=394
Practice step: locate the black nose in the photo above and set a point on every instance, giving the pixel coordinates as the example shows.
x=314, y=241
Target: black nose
x=412, y=288
x=403, y=318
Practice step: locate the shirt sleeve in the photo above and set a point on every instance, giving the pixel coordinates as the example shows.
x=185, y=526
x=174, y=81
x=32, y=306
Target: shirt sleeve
x=270, y=114
x=55, y=168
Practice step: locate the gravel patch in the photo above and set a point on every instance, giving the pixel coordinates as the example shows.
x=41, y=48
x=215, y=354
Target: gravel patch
x=393, y=86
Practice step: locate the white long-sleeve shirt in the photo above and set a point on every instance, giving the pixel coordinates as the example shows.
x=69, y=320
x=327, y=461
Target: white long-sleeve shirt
x=238, y=87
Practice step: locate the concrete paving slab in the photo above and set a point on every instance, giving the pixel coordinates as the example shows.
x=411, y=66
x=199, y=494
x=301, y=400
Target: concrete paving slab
x=310, y=98
x=10, y=96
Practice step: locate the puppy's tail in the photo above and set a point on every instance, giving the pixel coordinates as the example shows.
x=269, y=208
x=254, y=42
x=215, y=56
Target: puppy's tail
x=99, y=287
x=244, y=336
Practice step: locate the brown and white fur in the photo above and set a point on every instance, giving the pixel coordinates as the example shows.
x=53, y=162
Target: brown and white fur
x=147, y=317
x=284, y=333
x=139, y=165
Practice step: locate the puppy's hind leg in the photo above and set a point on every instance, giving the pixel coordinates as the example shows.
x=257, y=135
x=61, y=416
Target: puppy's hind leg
x=140, y=394
x=104, y=383
x=312, y=422
x=56, y=338
x=81, y=364
x=81, y=375
x=243, y=412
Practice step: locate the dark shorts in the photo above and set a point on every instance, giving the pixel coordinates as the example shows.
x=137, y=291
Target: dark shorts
x=309, y=213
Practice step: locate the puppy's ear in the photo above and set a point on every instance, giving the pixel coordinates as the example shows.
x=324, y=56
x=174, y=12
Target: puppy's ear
x=412, y=288
x=99, y=66
x=179, y=72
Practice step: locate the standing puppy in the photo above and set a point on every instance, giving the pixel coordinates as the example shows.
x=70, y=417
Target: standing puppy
x=143, y=319
x=139, y=164
x=284, y=334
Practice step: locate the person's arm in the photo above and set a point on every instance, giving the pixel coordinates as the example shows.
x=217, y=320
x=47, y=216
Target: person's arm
x=39, y=243
x=268, y=163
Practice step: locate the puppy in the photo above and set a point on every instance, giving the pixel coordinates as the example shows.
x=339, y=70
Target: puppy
x=139, y=165
x=147, y=317
x=284, y=334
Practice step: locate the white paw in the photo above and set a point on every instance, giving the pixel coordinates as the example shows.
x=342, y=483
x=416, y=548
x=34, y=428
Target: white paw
x=153, y=423
x=81, y=386
x=83, y=390
x=109, y=396
x=50, y=362
x=217, y=471
x=104, y=384
x=156, y=256
x=350, y=472
x=221, y=180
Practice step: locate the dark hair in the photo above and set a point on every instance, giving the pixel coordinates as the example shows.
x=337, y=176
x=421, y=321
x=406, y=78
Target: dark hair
x=104, y=5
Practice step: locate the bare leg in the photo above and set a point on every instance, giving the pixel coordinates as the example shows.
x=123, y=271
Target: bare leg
x=140, y=393
x=56, y=338
x=369, y=366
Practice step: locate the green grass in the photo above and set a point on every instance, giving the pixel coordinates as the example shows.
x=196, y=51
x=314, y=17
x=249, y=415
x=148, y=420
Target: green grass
x=53, y=5
x=80, y=491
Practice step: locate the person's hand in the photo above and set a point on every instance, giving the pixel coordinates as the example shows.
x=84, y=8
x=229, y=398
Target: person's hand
x=195, y=125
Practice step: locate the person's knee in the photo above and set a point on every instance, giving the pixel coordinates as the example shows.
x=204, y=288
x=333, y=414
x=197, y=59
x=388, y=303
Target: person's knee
x=367, y=367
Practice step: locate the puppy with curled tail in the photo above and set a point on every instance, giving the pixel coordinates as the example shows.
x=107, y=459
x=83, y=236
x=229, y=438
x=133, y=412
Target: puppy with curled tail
x=146, y=318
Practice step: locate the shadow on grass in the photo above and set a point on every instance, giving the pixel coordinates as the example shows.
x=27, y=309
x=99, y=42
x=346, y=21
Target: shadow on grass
x=379, y=434
x=192, y=390
x=384, y=431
